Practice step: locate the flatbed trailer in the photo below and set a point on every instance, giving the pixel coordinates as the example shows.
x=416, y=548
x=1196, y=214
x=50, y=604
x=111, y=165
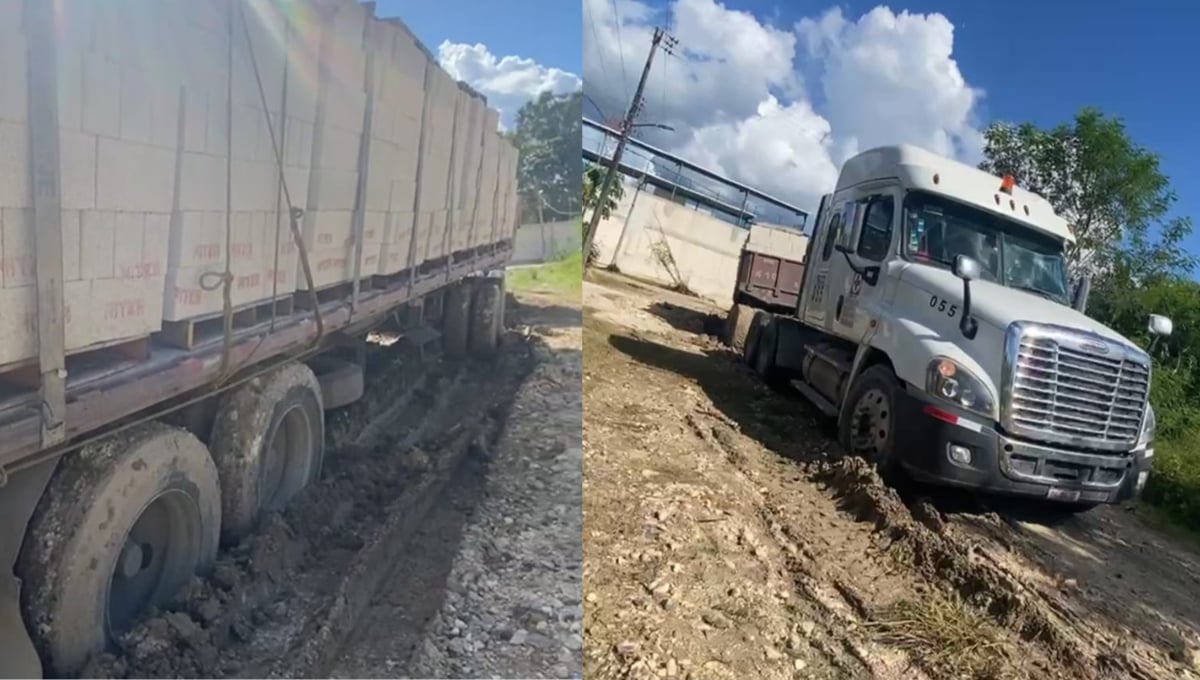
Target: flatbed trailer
x=123, y=468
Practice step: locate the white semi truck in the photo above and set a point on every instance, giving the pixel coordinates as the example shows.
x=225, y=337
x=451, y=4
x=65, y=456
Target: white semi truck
x=205, y=208
x=937, y=322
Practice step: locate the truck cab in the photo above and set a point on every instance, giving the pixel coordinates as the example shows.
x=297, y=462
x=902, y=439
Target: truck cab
x=936, y=321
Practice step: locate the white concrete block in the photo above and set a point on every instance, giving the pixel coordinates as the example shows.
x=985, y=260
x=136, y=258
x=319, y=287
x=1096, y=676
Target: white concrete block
x=325, y=229
x=254, y=186
x=77, y=179
x=14, y=165
x=155, y=246
x=125, y=308
x=198, y=239
x=14, y=105
x=332, y=189
x=136, y=177
x=330, y=266
x=129, y=235
x=97, y=229
x=17, y=268
x=338, y=150
x=393, y=257
x=71, y=245
x=404, y=192
x=101, y=95
x=186, y=298
x=202, y=184
x=398, y=226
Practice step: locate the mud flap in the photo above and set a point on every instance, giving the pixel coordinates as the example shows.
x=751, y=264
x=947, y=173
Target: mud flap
x=18, y=658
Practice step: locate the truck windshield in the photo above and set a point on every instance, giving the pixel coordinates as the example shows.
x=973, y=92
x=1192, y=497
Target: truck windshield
x=937, y=229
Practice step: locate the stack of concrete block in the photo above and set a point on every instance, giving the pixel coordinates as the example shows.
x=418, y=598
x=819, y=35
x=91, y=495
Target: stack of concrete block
x=433, y=176
x=239, y=146
x=328, y=224
x=398, y=96
x=115, y=178
x=485, y=213
x=510, y=221
x=468, y=173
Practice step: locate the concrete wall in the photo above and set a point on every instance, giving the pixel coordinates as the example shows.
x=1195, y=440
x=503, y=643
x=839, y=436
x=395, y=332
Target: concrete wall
x=541, y=242
x=672, y=244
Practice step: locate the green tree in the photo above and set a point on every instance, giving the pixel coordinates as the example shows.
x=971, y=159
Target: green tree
x=593, y=179
x=547, y=135
x=1110, y=189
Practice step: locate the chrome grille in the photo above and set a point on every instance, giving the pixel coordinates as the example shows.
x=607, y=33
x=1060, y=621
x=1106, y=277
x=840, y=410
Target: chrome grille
x=1070, y=387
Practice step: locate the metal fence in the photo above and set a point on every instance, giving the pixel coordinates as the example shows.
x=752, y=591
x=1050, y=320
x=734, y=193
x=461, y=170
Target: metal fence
x=686, y=183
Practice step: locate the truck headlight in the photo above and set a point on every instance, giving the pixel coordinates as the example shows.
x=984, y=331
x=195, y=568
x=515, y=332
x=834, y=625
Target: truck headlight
x=947, y=380
x=1149, y=423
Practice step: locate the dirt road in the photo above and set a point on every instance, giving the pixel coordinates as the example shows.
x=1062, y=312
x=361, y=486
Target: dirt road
x=393, y=565
x=726, y=537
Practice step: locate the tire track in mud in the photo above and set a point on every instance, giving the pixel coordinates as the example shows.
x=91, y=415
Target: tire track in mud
x=856, y=546
x=279, y=603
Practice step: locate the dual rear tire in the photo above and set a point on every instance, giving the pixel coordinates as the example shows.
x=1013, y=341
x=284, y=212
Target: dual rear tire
x=127, y=521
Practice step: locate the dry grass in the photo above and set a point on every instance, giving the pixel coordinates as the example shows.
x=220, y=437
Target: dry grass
x=945, y=637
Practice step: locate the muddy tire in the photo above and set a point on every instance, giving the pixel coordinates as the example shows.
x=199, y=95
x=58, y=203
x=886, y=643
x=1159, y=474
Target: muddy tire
x=764, y=357
x=124, y=524
x=268, y=442
x=737, y=325
x=758, y=320
x=866, y=426
x=342, y=382
x=456, y=320
x=487, y=316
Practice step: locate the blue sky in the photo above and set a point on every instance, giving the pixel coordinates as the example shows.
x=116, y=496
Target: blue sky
x=1037, y=62
x=546, y=31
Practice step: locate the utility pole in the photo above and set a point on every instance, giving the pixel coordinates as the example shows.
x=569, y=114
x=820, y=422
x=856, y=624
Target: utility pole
x=626, y=129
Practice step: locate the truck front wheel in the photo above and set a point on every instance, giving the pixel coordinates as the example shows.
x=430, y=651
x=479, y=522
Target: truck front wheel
x=866, y=426
x=268, y=442
x=123, y=525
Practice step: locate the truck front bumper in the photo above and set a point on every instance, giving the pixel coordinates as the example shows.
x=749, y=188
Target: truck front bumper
x=937, y=443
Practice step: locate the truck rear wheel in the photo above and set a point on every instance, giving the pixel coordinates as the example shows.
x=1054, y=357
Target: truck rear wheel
x=758, y=320
x=456, y=320
x=123, y=524
x=737, y=325
x=866, y=427
x=487, y=316
x=268, y=442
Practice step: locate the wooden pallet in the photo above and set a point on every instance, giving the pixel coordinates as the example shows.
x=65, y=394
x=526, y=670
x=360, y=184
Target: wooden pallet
x=27, y=373
x=188, y=333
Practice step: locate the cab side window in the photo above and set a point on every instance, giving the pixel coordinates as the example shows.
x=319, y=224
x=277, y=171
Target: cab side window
x=832, y=232
x=876, y=237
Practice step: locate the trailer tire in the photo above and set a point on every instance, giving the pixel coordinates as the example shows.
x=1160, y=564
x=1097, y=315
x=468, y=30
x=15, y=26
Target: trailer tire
x=456, y=320
x=156, y=483
x=871, y=400
x=487, y=316
x=737, y=325
x=764, y=357
x=259, y=471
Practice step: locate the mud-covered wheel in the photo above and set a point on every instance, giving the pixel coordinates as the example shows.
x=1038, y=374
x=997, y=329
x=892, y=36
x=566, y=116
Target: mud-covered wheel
x=123, y=525
x=487, y=316
x=758, y=320
x=456, y=320
x=866, y=426
x=737, y=325
x=765, y=356
x=268, y=441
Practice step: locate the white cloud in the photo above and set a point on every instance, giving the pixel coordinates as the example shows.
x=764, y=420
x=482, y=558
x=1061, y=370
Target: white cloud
x=507, y=82
x=780, y=108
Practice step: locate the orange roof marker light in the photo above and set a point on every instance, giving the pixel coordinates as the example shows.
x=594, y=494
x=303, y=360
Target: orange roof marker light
x=1007, y=184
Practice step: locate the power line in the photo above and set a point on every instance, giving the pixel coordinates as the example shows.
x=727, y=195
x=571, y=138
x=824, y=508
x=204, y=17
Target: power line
x=620, y=46
x=668, y=43
x=599, y=46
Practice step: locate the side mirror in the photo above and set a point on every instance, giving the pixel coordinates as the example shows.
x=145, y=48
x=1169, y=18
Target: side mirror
x=966, y=267
x=1161, y=325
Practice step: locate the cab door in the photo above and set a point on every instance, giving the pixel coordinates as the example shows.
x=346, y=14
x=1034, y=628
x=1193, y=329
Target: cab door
x=824, y=241
x=869, y=242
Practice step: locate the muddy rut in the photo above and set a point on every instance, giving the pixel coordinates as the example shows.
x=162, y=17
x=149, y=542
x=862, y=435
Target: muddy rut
x=283, y=602
x=727, y=536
